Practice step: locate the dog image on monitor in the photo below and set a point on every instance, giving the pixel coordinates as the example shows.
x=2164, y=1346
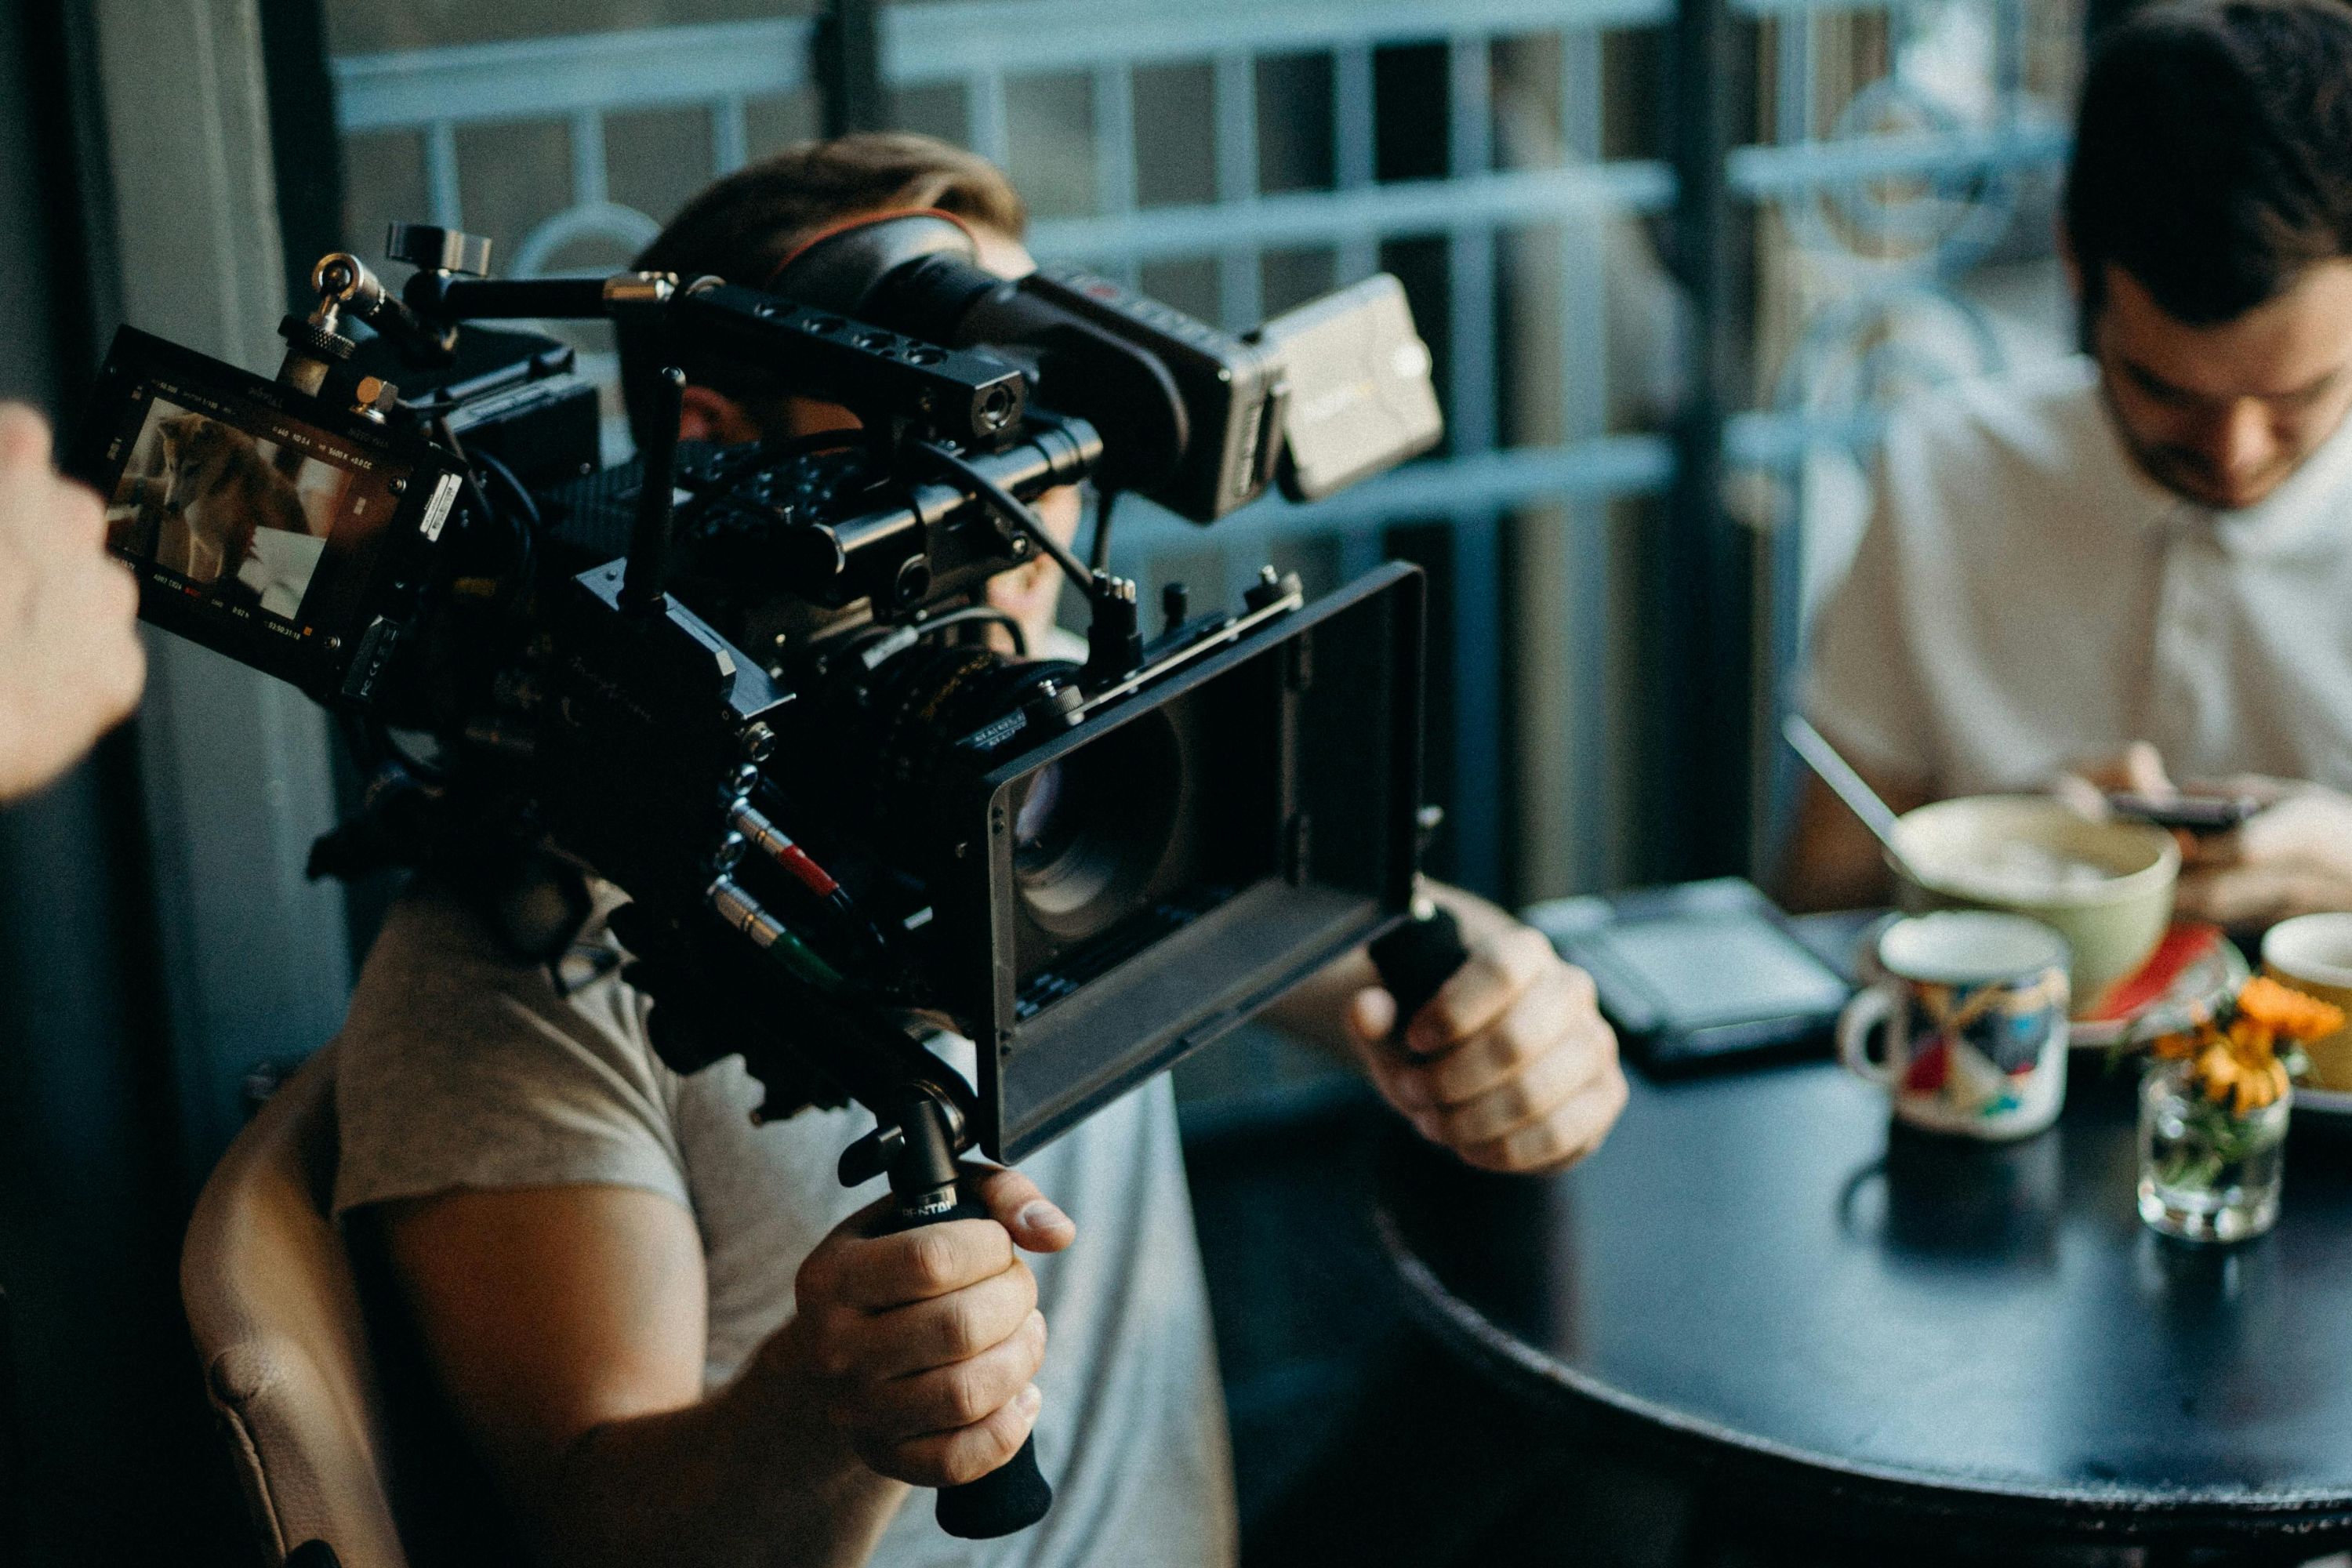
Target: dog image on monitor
x=219, y=506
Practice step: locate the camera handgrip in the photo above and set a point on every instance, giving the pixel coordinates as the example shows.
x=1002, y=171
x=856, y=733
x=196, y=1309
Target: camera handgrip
x=1417, y=958
x=1012, y=1497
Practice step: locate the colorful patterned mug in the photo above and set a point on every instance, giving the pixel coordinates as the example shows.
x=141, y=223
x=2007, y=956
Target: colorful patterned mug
x=1974, y=1007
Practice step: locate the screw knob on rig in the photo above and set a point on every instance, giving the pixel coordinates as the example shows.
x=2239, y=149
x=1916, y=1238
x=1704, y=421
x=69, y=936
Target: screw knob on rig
x=431, y=248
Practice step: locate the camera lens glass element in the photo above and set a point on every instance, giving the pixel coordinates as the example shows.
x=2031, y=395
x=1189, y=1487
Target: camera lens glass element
x=1090, y=827
x=1040, y=828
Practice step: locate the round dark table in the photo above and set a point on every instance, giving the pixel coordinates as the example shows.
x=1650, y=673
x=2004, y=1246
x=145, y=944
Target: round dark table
x=1882, y=1331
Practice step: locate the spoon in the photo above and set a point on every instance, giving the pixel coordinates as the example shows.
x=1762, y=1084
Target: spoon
x=1847, y=785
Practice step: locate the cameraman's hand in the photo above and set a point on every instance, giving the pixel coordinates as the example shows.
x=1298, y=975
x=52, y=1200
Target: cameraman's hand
x=920, y=1348
x=1511, y=1065
x=70, y=663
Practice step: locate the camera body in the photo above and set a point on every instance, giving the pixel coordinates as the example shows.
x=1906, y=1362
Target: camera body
x=753, y=687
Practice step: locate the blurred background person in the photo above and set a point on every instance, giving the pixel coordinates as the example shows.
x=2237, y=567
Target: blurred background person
x=2150, y=542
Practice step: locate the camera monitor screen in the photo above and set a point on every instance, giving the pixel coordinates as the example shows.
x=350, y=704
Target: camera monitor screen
x=263, y=523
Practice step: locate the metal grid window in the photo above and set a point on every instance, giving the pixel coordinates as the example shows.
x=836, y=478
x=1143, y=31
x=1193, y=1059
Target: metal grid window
x=1508, y=158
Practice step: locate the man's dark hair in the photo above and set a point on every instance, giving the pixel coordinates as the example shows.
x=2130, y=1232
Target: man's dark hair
x=2214, y=152
x=743, y=226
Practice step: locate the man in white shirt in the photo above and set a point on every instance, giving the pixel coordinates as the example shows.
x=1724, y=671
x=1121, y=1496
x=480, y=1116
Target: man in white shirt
x=2138, y=564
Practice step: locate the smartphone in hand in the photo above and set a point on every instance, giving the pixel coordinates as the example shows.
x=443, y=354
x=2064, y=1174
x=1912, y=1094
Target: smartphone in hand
x=2198, y=814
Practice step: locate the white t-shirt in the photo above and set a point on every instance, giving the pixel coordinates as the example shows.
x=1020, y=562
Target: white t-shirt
x=459, y=1066
x=2025, y=597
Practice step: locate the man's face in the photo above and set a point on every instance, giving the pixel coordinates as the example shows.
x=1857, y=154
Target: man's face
x=2222, y=414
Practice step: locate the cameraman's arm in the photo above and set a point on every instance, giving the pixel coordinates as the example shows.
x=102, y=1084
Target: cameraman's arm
x=567, y=1325
x=1511, y=1065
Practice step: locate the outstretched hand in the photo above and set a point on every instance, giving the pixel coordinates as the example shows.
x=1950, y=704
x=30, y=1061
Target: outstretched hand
x=1511, y=1065
x=70, y=663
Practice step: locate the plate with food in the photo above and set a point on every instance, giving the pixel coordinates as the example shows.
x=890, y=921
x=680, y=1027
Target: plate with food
x=2192, y=970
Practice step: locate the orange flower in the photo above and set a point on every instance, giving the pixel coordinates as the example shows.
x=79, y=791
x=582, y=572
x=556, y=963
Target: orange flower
x=2236, y=1064
x=2288, y=1012
x=2251, y=1040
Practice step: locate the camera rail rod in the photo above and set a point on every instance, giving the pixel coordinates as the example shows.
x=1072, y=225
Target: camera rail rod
x=1285, y=595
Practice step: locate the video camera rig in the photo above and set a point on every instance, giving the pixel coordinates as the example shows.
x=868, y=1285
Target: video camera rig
x=750, y=687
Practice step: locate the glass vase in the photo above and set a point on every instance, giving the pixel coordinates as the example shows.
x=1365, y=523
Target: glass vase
x=2206, y=1173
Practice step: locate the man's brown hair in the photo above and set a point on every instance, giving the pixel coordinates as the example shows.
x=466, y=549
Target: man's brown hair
x=2213, y=154
x=742, y=228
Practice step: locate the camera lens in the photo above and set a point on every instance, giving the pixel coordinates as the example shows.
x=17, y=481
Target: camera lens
x=1040, y=828
x=1091, y=828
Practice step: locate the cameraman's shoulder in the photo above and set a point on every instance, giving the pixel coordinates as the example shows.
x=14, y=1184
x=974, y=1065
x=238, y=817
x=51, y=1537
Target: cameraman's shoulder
x=441, y=981
x=432, y=945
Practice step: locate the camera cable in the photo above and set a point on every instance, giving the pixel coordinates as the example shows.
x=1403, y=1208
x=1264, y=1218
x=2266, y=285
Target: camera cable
x=1010, y=508
x=884, y=644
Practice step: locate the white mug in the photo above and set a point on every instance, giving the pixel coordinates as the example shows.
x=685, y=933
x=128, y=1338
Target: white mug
x=1974, y=1008
x=2312, y=953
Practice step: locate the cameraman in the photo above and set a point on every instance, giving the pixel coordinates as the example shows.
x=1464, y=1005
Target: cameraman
x=666, y=1327
x=70, y=663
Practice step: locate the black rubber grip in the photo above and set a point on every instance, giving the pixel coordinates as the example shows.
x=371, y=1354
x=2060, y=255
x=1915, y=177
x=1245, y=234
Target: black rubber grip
x=1417, y=959
x=1012, y=1497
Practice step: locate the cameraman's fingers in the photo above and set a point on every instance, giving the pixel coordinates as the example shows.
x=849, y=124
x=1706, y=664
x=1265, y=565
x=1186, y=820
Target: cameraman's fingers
x=1553, y=1014
x=1498, y=969
x=114, y=671
x=881, y=1272
x=1527, y=1096
x=1566, y=1134
x=946, y=1397
x=1037, y=1222
x=65, y=520
x=968, y=1453
x=941, y=1333
x=1370, y=1014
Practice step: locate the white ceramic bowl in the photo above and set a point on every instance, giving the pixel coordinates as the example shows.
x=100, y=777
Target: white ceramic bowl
x=2105, y=887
